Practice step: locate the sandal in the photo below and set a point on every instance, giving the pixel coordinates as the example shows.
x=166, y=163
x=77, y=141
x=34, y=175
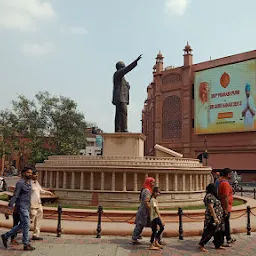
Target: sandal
x=220, y=248
x=202, y=249
x=152, y=247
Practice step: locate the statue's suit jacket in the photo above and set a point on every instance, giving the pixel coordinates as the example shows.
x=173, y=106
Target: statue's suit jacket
x=121, y=86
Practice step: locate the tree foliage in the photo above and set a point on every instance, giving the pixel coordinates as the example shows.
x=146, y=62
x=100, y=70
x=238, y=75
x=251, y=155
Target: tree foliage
x=50, y=125
x=8, y=139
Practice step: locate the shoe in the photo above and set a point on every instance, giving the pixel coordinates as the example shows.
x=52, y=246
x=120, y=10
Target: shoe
x=135, y=242
x=28, y=248
x=231, y=241
x=37, y=238
x=4, y=240
x=140, y=238
x=226, y=245
x=202, y=249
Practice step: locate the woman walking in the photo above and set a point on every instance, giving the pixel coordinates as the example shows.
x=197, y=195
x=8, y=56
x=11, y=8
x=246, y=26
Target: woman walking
x=214, y=222
x=142, y=216
x=156, y=221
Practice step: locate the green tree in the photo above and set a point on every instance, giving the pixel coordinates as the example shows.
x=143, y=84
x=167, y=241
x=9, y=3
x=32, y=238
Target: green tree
x=8, y=138
x=51, y=124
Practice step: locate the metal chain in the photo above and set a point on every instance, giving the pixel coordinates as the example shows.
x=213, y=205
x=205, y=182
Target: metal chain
x=192, y=217
x=234, y=218
x=187, y=216
x=79, y=217
x=253, y=213
x=117, y=220
x=47, y=216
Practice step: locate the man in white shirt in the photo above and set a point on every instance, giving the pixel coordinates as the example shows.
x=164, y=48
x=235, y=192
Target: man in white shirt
x=36, y=209
x=248, y=109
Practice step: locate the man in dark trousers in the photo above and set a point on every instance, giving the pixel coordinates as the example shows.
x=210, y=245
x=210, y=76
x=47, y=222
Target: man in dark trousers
x=21, y=199
x=121, y=94
x=225, y=194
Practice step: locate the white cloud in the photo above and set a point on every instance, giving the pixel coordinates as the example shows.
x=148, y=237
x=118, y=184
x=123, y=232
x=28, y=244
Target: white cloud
x=77, y=31
x=37, y=50
x=24, y=14
x=177, y=7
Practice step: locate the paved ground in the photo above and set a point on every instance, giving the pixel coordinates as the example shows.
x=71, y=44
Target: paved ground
x=69, y=245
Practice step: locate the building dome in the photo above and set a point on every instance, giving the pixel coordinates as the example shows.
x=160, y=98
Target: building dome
x=187, y=49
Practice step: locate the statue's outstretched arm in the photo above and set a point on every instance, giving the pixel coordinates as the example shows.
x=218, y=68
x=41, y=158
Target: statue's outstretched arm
x=130, y=67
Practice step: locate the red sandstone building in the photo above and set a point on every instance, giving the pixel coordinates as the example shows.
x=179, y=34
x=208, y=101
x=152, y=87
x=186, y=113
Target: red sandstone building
x=169, y=116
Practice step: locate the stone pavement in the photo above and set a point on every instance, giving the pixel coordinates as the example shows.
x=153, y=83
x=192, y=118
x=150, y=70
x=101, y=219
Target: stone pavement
x=69, y=245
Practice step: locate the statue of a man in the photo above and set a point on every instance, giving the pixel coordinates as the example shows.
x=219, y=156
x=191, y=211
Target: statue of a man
x=121, y=94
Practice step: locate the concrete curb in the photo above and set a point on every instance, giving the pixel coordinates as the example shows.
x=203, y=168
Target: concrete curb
x=129, y=216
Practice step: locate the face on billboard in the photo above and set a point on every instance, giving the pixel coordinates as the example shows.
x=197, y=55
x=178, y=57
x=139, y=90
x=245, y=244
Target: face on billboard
x=225, y=98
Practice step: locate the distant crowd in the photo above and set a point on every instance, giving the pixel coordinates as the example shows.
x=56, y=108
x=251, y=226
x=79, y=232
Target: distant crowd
x=10, y=171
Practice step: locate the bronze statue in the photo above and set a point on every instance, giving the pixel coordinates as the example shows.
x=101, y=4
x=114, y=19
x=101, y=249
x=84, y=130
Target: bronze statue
x=121, y=94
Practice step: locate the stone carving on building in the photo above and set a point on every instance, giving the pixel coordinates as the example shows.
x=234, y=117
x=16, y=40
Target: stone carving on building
x=171, y=78
x=172, y=118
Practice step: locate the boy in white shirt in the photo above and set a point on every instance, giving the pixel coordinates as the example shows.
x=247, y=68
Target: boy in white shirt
x=156, y=221
x=36, y=209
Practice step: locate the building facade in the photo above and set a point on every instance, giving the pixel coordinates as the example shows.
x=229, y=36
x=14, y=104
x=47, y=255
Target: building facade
x=168, y=117
x=93, y=142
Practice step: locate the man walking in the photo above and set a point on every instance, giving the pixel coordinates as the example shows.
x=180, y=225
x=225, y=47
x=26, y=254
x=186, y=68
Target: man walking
x=36, y=209
x=21, y=199
x=226, y=196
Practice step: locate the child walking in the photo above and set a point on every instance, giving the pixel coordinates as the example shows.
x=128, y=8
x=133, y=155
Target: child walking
x=156, y=221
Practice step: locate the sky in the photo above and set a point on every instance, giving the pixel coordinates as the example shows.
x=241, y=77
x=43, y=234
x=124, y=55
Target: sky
x=70, y=48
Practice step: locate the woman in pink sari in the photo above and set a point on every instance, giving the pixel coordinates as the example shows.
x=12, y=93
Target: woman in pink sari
x=143, y=214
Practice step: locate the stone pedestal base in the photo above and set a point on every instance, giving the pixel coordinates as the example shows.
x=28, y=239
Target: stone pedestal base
x=123, y=144
x=127, y=199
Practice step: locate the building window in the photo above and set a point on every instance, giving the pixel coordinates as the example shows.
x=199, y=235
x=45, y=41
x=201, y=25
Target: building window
x=172, y=118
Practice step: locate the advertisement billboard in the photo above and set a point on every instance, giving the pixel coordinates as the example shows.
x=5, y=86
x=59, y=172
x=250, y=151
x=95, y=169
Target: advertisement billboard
x=99, y=141
x=225, y=98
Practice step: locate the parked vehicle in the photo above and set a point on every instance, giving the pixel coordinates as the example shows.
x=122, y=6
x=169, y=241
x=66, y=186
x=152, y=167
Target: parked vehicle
x=236, y=187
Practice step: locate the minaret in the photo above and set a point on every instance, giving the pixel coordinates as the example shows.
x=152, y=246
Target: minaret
x=188, y=56
x=159, y=62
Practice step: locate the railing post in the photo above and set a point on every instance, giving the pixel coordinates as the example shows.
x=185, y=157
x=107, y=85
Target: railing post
x=100, y=211
x=254, y=193
x=241, y=191
x=248, y=220
x=180, y=213
x=59, y=221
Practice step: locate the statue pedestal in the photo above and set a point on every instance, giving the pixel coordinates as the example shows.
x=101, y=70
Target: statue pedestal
x=123, y=144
